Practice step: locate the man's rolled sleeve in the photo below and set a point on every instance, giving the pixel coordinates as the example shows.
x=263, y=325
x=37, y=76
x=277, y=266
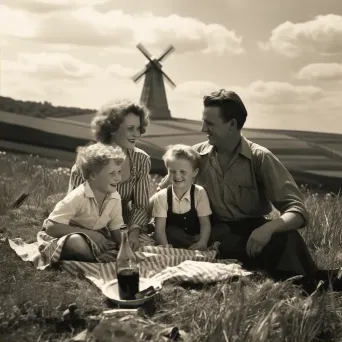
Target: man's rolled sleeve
x=280, y=187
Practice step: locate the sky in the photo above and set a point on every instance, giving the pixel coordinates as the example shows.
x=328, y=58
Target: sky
x=284, y=58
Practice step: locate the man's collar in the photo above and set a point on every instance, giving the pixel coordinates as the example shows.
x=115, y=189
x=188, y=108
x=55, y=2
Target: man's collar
x=90, y=194
x=243, y=148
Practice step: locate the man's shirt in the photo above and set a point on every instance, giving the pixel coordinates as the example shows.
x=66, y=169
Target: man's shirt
x=254, y=180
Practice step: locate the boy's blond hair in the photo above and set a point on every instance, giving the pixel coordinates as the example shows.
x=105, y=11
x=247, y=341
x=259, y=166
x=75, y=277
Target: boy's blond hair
x=182, y=151
x=93, y=157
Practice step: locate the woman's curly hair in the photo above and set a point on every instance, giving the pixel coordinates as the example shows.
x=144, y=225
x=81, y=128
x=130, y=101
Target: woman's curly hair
x=109, y=118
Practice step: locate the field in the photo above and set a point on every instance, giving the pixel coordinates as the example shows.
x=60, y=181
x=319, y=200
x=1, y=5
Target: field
x=256, y=309
x=310, y=157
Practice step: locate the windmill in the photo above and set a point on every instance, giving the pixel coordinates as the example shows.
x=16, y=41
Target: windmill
x=153, y=95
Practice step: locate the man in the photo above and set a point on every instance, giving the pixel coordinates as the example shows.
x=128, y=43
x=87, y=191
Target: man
x=243, y=180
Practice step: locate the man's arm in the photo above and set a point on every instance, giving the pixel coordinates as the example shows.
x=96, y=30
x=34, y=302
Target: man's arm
x=164, y=183
x=281, y=189
x=287, y=221
x=262, y=235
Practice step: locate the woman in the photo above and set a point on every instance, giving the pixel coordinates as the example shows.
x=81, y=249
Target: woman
x=122, y=123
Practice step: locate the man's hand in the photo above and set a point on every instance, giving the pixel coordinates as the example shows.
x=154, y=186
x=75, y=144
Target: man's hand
x=133, y=238
x=200, y=245
x=259, y=239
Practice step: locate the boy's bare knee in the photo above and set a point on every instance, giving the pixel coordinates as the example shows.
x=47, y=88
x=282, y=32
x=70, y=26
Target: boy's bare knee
x=77, y=248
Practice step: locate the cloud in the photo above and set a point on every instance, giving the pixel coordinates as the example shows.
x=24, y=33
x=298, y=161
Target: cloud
x=279, y=93
x=45, y=6
x=65, y=80
x=274, y=105
x=321, y=72
x=195, y=89
x=259, y=92
x=88, y=27
x=119, y=70
x=271, y=101
x=50, y=66
x=321, y=35
x=16, y=23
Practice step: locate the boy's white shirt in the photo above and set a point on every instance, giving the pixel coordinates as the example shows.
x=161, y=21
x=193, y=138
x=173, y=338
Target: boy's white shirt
x=183, y=205
x=79, y=207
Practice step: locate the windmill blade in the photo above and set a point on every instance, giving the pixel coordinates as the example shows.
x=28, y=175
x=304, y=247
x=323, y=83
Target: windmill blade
x=144, y=51
x=139, y=74
x=168, y=79
x=168, y=50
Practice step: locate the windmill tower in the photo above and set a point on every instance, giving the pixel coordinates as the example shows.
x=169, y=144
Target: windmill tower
x=153, y=95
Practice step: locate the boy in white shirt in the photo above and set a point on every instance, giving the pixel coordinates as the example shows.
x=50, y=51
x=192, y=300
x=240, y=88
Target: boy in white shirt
x=182, y=211
x=90, y=209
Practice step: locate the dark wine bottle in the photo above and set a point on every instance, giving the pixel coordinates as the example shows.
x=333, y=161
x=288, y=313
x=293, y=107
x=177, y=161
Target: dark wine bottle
x=127, y=268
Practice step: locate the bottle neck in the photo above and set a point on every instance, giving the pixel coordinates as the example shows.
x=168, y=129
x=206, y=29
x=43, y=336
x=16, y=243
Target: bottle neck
x=126, y=257
x=124, y=237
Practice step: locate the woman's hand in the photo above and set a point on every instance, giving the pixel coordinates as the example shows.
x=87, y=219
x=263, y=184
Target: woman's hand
x=133, y=238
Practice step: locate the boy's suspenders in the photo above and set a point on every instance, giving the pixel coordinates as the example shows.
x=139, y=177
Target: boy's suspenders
x=192, y=197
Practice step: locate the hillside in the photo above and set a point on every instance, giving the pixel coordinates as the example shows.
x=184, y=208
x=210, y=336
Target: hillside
x=39, y=109
x=312, y=158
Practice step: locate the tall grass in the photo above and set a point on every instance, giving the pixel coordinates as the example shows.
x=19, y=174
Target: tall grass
x=255, y=309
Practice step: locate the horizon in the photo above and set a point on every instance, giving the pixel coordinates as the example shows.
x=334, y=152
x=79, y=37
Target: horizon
x=287, y=69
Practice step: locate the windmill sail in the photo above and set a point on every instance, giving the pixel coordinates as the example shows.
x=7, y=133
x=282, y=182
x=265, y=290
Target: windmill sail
x=153, y=94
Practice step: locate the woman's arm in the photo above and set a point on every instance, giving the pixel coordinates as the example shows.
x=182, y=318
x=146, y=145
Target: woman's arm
x=141, y=194
x=76, y=178
x=160, y=225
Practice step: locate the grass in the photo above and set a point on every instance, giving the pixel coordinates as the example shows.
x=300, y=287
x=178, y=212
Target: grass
x=32, y=301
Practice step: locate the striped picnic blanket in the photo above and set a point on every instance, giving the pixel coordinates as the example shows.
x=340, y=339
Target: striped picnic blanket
x=165, y=264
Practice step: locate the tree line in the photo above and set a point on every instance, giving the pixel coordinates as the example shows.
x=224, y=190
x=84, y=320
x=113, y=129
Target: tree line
x=39, y=109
